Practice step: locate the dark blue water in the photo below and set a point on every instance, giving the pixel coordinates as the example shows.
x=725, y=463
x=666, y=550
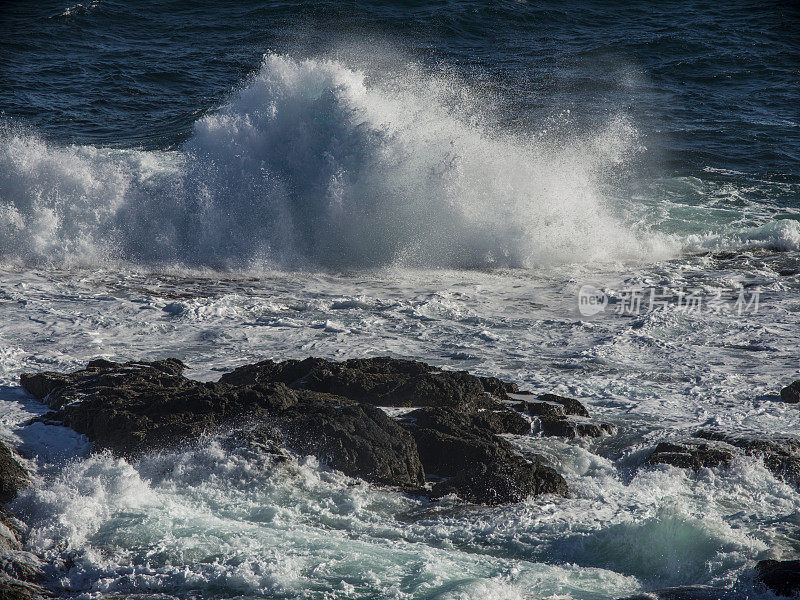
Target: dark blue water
x=709, y=83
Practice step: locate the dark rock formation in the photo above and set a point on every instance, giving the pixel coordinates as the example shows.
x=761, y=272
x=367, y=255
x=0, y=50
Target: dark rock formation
x=480, y=466
x=499, y=483
x=564, y=417
x=690, y=454
x=357, y=439
x=380, y=381
x=18, y=569
x=571, y=406
x=318, y=407
x=781, y=454
x=780, y=576
x=12, y=476
x=137, y=407
x=791, y=393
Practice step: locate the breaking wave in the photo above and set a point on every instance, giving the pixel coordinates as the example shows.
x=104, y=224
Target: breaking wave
x=311, y=164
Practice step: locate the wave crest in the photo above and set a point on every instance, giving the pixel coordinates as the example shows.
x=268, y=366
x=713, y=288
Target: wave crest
x=311, y=164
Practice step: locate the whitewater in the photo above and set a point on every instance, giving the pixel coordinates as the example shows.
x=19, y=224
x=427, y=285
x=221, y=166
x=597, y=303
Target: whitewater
x=321, y=209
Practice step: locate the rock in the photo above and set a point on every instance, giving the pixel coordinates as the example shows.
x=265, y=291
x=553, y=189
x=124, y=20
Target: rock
x=689, y=454
x=498, y=388
x=791, y=393
x=358, y=439
x=135, y=407
x=542, y=409
x=13, y=589
x=17, y=567
x=381, y=381
x=691, y=592
x=449, y=442
x=479, y=466
x=318, y=407
x=13, y=476
x=781, y=454
x=138, y=407
x=571, y=406
x=499, y=483
x=780, y=576
x=501, y=421
x=564, y=417
x=573, y=428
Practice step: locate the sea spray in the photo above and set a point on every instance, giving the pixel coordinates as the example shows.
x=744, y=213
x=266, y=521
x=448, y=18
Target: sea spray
x=311, y=164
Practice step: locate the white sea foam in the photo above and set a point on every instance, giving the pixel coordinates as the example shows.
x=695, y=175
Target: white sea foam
x=310, y=164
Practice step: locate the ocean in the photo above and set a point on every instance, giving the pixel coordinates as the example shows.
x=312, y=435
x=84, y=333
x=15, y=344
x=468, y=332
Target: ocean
x=596, y=199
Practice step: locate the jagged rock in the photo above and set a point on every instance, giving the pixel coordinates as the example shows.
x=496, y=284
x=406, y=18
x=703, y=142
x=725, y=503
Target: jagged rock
x=780, y=576
x=781, y=454
x=41, y=385
x=357, y=439
x=499, y=388
x=689, y=455
x=17, y=567
x=381, y=381
x=501, y=421
x=542, y=409
x=571, y=406
x=791, y=393
x=14, y=589
x=573, y=428
x=480, y=466
x=12, y=475
x=138, y=407
x=317, y=407
x=499, y=483
x=564, y=417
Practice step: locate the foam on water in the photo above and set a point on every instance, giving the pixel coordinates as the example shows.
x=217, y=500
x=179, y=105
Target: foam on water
x=210, y=521
x=207, y=521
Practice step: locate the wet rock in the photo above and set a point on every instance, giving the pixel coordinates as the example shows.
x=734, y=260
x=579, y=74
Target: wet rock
x=781, y=454
x=542, y=409
x=138, y=407
x=691, y=592
x=571, y=406
x=14, y=589
x=564, y=417
x=479, y=466
x=17, y=567
x=780, y=576
x=498, y=388
x=499, y=483
x=573, y=428
x=358, y=439
x=501, y=421
x=313, y=406
x=13, y=476
x=381, y=381
x=791, y=393
x=690, y=454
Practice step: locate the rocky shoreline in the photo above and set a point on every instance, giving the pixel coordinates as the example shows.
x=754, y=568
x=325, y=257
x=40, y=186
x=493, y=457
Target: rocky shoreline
x=391, y=422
